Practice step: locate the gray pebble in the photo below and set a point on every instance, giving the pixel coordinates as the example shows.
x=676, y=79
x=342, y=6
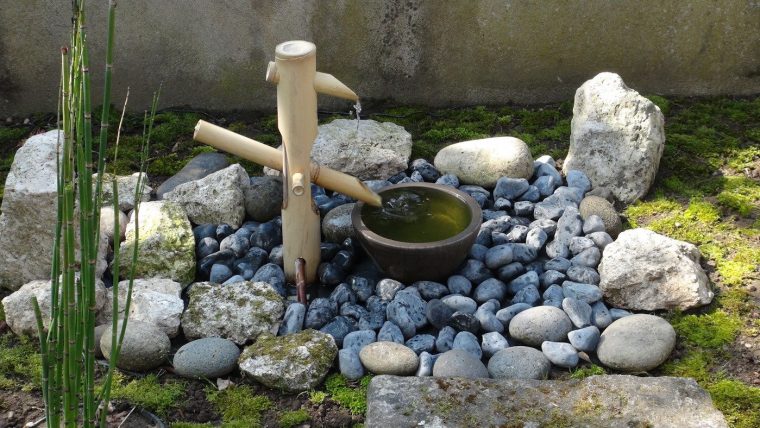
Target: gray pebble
x=530, y=195
x=438, y=313
x=589, y=293
x=536, y=238
x=593, y=223
x=488, y=321
x=523, y=253
x=390, y=333
x=589, y=257
x=362, y=287
x=464, y=322
x=234, y=279
x=583, y=274
x=459, y=363
x=584, y=339
x=554, y=292
x=525, y=280
x=478, y=252
x=505, y=315
x=235, y=243
x=535, y=325
x=431, y=290
x=475, y=270
x=569, y=225
x=387, y=288
x=498, y=238
x=272, y=275
x=426, y=365
x=357, y=340
x=421, y=343
x=502, y=204
x=524, y=208
x=551, y=277
x=491, y=214
x=445, y=339
x=491, y=306
x=468, y=342
x=578, y=311
x=342, y=294
x=545, y=224
x=493, y=342
x=448, y=180
x=210, y=357
x=510, y=188
x=617, y=313
x=321, y=311
x=601, y=239
x=517, y=233
x=460, y=303
x=292, y=322
x=560, y=354
x=541, y=169
x=339, y=328
x=600, y=315
x=349, y=364
x=580, y=243
x=519, y=362
x=529, y=295
x=560, y=264
x=490, y=289
x=457, y=284
x=498, y=256
x=578, y=179
x=511, y=271
x=545, y=185
x=557, y=303
x=275, y=256
x=354, y=311
x=556, y=249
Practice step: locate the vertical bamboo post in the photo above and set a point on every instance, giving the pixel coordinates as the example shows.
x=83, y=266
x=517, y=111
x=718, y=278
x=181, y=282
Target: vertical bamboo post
x=296, y=63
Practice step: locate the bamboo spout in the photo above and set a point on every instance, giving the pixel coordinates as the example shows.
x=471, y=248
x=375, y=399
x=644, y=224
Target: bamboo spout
x=262, y=154
x=324, y=83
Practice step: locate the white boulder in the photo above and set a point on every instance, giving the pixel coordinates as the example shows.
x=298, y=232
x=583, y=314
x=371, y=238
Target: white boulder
x=155, y=301
x=483, y=162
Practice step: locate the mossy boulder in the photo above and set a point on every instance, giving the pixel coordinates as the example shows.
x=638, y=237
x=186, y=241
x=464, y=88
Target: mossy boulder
x=597, y=205
x=126, y=185
x=166, y=247
x=295, y=362
x=240, y=312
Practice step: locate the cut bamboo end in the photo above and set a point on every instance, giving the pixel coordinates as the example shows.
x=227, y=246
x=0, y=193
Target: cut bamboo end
x=327, y=84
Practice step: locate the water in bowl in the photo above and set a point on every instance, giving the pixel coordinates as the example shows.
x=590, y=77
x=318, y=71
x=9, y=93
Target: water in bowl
x=417, y=215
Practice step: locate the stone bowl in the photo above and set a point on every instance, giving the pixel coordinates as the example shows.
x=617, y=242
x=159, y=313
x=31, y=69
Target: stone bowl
x=414, y=261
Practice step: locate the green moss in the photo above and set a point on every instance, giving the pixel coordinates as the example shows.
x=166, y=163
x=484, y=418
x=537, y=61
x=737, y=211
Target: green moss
x=293, y=418
x=712, y=330
x=12, y=135
x=695, y=364
x=2, y=312
x=317, y=397
x=660, y=102
x=740, y=403
x=239, y=406
x=148, y=392
x=20, y=363
x=740, y=194
x=586, y=371
x=351, y=396
x=189, y=425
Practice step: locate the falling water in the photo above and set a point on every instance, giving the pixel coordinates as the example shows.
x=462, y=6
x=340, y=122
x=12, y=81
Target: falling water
x=358, y=109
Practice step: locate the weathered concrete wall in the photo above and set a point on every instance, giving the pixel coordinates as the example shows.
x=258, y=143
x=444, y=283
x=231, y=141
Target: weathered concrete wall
x=213, y=54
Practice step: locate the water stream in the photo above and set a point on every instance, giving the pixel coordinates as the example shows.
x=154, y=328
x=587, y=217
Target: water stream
x=358, y=109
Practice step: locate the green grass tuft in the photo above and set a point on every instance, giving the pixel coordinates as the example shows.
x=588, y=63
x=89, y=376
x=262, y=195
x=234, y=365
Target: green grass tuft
x=740, y=403
x=20, y=363
x=586, y=371
x=239, y=406
x=354, y=398
x=293, y=418
x=712, y=330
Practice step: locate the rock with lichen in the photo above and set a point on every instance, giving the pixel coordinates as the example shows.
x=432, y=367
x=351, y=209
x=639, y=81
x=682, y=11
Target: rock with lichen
x=294, y=363
x=240, y=312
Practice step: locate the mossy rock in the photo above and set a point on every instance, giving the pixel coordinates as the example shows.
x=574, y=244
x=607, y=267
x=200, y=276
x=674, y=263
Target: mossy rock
x=600, y=206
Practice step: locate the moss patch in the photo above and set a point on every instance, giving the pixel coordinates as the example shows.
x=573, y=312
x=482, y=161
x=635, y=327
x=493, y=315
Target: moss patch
x=20, y=363
x=586, y=371
x=239, y=406
x=740, y=403
x=148, y=392
x=293, y=418
x=351, y=396
x=712, y=330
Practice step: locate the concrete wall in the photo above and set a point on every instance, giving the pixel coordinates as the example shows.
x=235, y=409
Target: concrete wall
x=213, y=54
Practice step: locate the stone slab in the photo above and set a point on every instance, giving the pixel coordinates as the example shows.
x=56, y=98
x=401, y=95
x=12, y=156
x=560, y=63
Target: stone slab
x=597, y=401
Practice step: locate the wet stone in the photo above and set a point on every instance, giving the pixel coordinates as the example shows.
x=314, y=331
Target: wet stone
x=445, y=339
x=224, y=230
x=478, y=252
x=220, y=273
x=350, y=364
x=460, y=303
x=438, y=313
x=457, y=284
x=517, y=234
x=235, y=243
x=330, y=274
x=421, y=343
x=584, y=339
x=293, y=320
x=600, y=315
x=321, y=311
x=505, y=315
x=206, y=247
x=593, y=223
x=551, y=277
x=272, y=275
x=492, y=343
x=344, y=260
x=589, y=257
x=431, y=290
x=560, y=264
x=524, y=208
x=338, y=328
x=390, y=333
x=462, y=321
x=475, y=270
x=362, y=287
x=560, y=354
x=511, y=271
x=488, y=321
x=468, y=342
x=276, y=256
x=357, y=340
x=328, y=250
x=536, y=238
x=220, y=257
x=387, y=288
x=267, y=236
x=529, y=295
x=342, y=294
x=588, y=293
x=206, y=230
x=490, y=289
x=522, y=281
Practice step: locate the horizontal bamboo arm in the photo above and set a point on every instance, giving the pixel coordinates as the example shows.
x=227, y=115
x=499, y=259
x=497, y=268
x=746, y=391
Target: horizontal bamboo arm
x=262, y=154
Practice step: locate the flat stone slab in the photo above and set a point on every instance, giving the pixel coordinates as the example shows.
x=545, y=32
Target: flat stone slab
x=597, y=401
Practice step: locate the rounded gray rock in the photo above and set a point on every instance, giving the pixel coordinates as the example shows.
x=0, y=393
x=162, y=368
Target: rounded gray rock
x=560, y=354
x=595, y=205
x=636, y=343
x=144, y=347
x=210, y=357
x=389, y=358
x=336, y=226
x=519, y=362
x=263, y=199
x=535, y=325
x=459, y=363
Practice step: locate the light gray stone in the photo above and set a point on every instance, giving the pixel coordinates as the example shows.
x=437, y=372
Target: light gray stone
x=240, y=312
x=167, y=243
x=337, y=226
x=144, y=347
x=483, y=162
x=617, y=137
x=195, y=169
x=210, y=358
x=519, y=362
x=376, y=151
x=560, y=354
x=217, y=198
x=294, y=363
x=19, y=311
x=108, y=226
x=126, y=186
x=636, y=343
x=154, y=301
x=643, y=270
x=389, y=358
x=459, y=363
x=618, y=401
x=535, y=325
x=493, y=342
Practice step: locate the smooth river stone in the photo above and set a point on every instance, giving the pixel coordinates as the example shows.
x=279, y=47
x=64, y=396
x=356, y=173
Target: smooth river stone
x=535, y=325
x=519, y=362
x=483, y=162
x=636, y=343
x=389, y=358
x=210, y=357
x=459, y=363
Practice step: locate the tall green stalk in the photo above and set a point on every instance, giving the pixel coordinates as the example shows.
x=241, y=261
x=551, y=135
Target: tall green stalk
x=68, y=347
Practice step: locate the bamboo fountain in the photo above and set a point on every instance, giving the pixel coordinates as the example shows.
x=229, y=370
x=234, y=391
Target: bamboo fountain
x=298, y=82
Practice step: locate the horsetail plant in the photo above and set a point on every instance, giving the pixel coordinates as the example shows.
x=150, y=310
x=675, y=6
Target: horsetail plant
x=68, y=346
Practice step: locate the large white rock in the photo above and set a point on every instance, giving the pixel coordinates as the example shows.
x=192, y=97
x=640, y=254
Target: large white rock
x=617, y=137
x=482, y=162
x=239, y=312
x=294, y=362
x=27, y=222
x=643, y=270
x=167, y=245
x=155, y=301
x=126, y=185
x=216, y=198
x=376, y=151
x=19, y=311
